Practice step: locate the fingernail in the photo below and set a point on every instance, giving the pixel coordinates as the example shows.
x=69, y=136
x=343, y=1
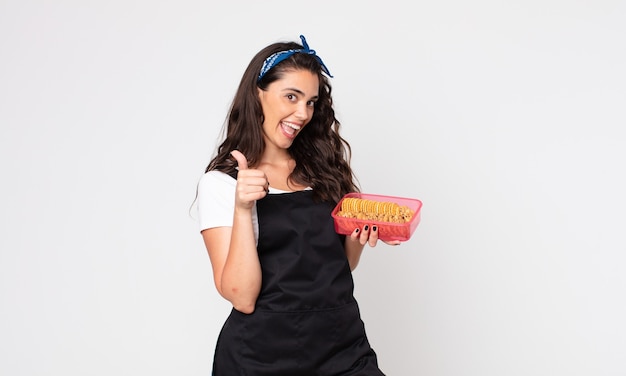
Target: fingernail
x=357, y=230
x=374, y=228
x=366, y=228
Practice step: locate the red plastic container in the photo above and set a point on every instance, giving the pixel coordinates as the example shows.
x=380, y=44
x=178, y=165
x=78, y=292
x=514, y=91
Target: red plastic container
x=386, y=230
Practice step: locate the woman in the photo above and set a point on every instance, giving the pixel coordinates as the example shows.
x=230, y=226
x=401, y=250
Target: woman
x=265, y=205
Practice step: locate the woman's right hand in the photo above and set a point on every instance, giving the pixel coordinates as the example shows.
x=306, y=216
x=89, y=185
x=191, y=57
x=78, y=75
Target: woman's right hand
x=252, y=184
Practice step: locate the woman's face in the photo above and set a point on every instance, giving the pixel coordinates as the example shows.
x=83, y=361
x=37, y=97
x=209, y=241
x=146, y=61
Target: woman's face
x=288, y=105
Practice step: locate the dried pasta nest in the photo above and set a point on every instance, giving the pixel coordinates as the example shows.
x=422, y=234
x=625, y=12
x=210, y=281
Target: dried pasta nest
x=382, y=211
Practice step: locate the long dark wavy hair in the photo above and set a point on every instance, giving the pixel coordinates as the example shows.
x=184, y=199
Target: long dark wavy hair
x=322, y=156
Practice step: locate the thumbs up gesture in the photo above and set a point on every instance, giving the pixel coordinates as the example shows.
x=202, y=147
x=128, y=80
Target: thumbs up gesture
x=252, y=184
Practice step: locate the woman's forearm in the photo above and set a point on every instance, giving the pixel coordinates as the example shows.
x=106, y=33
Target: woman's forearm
x=241, y=276
x=354, y=249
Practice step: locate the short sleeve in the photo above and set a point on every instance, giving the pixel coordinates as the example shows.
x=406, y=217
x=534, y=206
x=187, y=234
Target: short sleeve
x=216, y=202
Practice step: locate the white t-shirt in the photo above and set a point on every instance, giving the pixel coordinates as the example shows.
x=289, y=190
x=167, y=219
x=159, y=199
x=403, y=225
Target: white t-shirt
x=216, y=201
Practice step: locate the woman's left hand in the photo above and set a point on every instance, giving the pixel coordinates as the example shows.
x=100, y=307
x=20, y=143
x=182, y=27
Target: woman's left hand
x=369, y=235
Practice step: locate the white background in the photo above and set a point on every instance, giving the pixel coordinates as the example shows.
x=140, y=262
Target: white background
x=505, y=118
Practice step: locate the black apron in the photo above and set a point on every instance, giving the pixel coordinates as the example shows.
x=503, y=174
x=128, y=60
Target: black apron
x=306, y=321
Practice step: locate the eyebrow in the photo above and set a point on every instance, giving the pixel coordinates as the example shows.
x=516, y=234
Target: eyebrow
x=299, y=92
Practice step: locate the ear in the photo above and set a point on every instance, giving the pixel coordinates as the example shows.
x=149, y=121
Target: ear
x=261, y=93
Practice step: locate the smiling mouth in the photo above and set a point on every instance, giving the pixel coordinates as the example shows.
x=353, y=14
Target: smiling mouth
x=290, y=128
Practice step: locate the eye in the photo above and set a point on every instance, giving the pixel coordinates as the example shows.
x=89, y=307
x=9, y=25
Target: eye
x=311, y=103
x=291, y=97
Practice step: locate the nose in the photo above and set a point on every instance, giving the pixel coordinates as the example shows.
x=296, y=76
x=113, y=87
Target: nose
x=302, y=111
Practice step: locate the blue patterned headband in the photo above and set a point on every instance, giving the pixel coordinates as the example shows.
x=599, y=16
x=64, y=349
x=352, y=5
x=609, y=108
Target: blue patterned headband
x=276, y=58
